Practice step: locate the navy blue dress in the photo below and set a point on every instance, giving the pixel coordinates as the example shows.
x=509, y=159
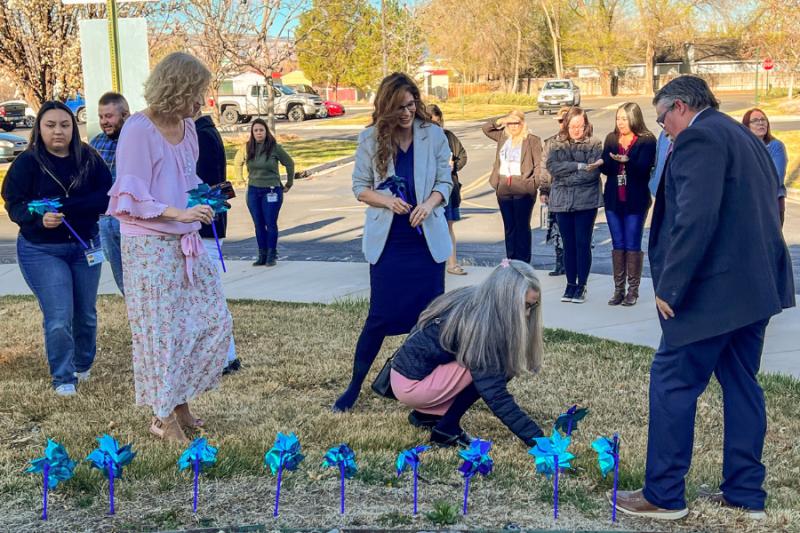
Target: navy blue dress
x=406, y=278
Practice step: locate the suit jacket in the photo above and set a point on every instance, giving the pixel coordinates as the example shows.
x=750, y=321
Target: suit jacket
x=662, y=147
x=431, y=173
x=459, y=156
x=717, y=253
x=211, y=168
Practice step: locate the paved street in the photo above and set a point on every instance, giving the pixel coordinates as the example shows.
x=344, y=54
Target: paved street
x=322, y=221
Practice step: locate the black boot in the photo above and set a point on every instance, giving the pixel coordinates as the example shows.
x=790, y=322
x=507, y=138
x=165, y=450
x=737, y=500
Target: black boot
x=262, y=258
x=558, y=270
x=272, y=257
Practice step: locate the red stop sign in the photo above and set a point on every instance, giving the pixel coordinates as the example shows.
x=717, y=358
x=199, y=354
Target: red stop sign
x=767, y=64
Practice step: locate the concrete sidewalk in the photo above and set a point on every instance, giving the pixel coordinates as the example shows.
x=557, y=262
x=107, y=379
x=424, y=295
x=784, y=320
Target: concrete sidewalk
x=312, y=281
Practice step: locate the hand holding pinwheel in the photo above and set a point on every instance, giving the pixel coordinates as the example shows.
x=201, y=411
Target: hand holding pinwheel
x=410, y=458
x=399, y=187
x=342, y=457
x=55, y=465
x=199, y=455
x=52, y=205
x=476, y=460
x=110, y=459
x=551, y=454
x=218, y=201
x=285, y=454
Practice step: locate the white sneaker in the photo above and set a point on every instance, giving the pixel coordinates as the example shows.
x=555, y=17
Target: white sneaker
x=82, y=376
x=67, y=389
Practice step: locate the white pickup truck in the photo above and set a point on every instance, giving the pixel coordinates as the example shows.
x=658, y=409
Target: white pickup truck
x=293, y=106
x=558, y=93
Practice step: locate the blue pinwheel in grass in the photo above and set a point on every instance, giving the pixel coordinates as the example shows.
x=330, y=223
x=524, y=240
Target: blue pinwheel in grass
x=343, y=458
x=608, y=457
x=56, y=466
x=218, y=201
x=568, y=422
x=284, y=455
x=399, y=187
x=43, y=206
x=476, y=461
x=551, y=455
x=199, y=455
x=110, y=459
x=410, y=458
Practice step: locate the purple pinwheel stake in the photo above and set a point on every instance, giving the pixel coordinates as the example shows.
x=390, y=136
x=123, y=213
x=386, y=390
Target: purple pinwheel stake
x=55, y=465
x=608, y=457
x=551, y=454
x=199, y=455
x=476, y=460
x=342, y=458
x=397, y=186
x=110, y=458
x=284, y=455
x=410, y=458
x=218, y=201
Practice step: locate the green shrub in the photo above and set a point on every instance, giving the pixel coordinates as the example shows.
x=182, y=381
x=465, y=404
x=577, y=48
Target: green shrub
x=443, y=514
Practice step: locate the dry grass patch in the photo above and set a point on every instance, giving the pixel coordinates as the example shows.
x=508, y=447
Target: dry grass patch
x=296, y=360
x=792, y=141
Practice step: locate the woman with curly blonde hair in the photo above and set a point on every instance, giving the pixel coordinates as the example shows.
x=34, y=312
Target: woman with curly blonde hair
x=180, y=323
x=402, y=172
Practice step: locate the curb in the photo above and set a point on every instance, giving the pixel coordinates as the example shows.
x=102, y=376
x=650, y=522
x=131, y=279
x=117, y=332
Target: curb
x=329, y=164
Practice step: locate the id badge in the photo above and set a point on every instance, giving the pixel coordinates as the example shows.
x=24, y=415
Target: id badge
x=94, y=255
x=272, y=197
x=621, y=180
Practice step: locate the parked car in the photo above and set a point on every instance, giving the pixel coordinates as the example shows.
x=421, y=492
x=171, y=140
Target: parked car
x=11, y=146
x=556, y=94
x=78, y=106
x=11, y=116
x=335, y=109
x=287, y=103
x=30, y=114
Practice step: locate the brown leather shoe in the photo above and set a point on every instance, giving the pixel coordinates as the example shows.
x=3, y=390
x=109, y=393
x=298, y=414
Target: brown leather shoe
x=633, y=503
x=719, y=499
x=635, y=262
x=618, y=262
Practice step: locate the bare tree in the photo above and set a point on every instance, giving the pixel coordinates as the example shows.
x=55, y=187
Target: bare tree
x=775, y=27
x=553, y=14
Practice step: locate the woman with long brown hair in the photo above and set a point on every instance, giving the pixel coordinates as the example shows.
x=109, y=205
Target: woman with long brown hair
x=757, y=122
x=402, y=172
x=261, y=154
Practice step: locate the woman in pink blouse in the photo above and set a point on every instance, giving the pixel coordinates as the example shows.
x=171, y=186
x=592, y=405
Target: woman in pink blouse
x=179, y=319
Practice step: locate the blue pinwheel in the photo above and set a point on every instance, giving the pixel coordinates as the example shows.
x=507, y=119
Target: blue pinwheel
x=568, y=422
x=410, y=458
x=551, y=454
x=399, y=187
x=285, y=454
x=476, y=461
x=343, y=458
x=55, y=465
x=199, y=455
x=608, y=457
x=110, y=459
x=52, y=205
x=218, y=201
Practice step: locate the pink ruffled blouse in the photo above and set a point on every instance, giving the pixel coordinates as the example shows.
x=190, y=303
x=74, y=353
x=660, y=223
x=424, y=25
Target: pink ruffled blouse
x=153, y=174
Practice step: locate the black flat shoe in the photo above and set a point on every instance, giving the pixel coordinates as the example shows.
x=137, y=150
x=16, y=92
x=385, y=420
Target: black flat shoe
x=443, y=440
x=423, y=420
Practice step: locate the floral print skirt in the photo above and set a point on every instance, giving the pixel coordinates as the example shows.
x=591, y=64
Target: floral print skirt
x=181, y=331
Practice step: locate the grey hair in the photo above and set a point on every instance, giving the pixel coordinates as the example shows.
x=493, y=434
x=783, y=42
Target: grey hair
x=691, y=90
x=486, y=327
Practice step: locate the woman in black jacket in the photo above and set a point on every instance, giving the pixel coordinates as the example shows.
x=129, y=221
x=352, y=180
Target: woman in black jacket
x=467, y=345
x=61, y=269
x=629, y=153
x=451, y=210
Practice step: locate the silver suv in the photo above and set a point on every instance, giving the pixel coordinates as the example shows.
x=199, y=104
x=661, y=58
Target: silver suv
x=556, y=94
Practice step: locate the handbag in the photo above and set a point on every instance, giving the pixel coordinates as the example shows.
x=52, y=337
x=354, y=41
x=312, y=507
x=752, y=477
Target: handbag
x=382, y=386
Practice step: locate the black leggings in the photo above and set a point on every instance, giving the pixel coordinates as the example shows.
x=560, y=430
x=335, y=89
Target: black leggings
x=576, y=232
x=516, y=212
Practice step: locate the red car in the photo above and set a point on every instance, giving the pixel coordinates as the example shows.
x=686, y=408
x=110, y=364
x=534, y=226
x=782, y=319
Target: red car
x=335, y=109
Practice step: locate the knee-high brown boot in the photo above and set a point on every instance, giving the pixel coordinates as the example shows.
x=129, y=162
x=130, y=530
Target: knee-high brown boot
x=618, y=262
x=635, y=263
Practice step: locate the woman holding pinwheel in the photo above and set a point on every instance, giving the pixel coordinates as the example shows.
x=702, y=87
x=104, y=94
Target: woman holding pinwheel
x=180, y=323
x=55, y=191
x=402, y=172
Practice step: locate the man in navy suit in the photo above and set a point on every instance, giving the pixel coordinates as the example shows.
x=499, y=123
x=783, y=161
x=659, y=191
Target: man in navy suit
x=720, y=270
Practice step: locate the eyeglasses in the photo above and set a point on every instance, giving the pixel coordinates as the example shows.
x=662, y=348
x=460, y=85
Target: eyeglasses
x=660, y=120
x=531, y=307
x=513, y=123
x=759, y=121
x=577, y=128
x=411, y=107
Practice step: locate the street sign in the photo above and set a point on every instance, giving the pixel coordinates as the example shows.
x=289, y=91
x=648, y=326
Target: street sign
x=767, y=64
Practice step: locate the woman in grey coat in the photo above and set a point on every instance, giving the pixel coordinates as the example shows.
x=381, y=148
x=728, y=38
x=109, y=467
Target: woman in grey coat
x=576, y=194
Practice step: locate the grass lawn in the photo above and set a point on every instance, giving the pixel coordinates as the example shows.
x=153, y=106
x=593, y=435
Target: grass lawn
x=296, y=360
x=306, y=154
x=451, y=111
x=792, y=141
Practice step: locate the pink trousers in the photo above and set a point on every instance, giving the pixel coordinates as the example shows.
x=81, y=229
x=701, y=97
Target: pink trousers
x=433, y=395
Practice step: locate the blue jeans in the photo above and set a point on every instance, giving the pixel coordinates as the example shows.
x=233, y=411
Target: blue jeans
x=626, y=230
x=66, y=288
x=110, y=239
x=265, y=215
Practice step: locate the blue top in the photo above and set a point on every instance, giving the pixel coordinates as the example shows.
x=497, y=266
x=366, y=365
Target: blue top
x=778, y=152
x=107, y=147
x=404, y=168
